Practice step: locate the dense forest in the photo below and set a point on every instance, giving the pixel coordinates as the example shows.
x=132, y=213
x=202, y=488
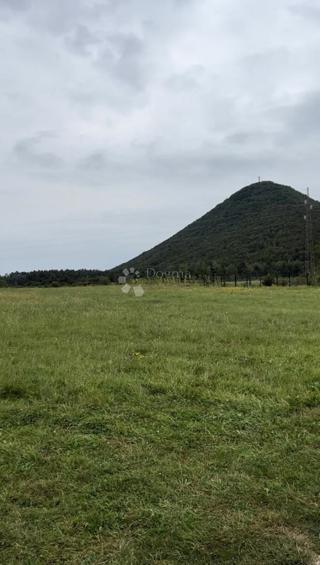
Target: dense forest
x=56, y=278
x=259, y=230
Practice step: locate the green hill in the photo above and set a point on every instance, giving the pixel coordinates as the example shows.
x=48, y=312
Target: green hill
x=261, y=228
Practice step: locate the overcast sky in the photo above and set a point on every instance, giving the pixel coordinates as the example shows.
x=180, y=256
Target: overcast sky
x=124, y=120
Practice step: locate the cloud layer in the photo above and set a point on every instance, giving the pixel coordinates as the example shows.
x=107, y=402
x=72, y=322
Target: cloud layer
x=123, y=120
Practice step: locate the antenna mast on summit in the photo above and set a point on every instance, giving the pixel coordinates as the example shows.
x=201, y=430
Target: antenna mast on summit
x=309, y=251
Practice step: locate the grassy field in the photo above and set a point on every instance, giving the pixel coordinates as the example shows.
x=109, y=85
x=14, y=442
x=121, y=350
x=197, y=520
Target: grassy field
x=180, y=427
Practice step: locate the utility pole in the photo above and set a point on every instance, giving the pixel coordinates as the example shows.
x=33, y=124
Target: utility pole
x=309, y=249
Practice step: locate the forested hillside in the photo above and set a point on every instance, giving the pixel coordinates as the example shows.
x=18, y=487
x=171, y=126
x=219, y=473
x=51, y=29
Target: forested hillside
x=260, y=228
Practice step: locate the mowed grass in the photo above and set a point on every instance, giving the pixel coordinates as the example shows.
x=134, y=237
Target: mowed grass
x=180, y=427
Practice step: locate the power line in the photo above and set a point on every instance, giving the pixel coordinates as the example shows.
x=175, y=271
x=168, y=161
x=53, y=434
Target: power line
x=309, y=246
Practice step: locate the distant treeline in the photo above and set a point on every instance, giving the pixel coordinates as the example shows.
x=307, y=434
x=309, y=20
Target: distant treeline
x=268, y=272
x=246, y=270
x=212, y=272
x=217, y=270
x=55, y=278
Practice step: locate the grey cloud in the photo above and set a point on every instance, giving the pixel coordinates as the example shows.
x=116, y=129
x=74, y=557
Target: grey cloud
x=245, y=137
x=13, y=4
x=93, y=162
x=268, y=58
x=81, y=39
x=56, y=18
x=300, y=121
x=205, y=163
x=304, y=119
x=120, y=55
x=206, y=166
x=123, y=57
x=188, y=80
x=28, y=151
x=129, y=66
x=305, y=9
